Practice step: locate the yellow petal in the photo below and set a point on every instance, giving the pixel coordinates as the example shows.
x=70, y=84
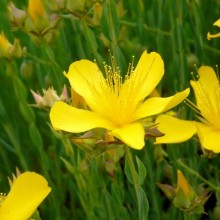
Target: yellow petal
x=182, y=183
x=209, y=137
x=67, y=118
x=206, y=90
x=36, y=9
x=27, y=192
x=87, y=80
x=217, y=23
x=146, y=76
x=156, y=105
x=175, y=130
x=130, y=134
x=5, y=46
x=207, y=83
x=210, y=36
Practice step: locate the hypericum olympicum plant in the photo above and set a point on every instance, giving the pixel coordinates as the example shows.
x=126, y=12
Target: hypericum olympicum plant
x=8, y=50
x=114, y=103
x=210, y=36
x=26, y=194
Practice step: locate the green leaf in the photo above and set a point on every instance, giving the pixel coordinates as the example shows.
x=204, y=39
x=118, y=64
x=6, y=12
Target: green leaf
x=128, y=173
x=110, y=21
x=143, y=207
x=20, y=90
x=68, y=165
x=141, y=171
x=35, y=136
x=27, y=112
x=118, y=192
x=90, y=39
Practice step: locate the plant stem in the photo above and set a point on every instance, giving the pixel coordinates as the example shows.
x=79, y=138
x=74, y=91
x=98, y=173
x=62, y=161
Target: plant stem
x=187, y=216
x=152, y=185
x=134, y=175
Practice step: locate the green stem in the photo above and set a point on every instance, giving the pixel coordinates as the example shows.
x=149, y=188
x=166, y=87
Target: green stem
x=133, y=173
x=198, y=176
x=168, y=34
x=55, y=66
x=12, y=136
x=187, y=216
x=152, y=186
x=35, y=58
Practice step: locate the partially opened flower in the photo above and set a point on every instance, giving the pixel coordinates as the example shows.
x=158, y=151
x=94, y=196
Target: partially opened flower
x=207, y=92
x=115, y=104
x=26, y=194
x=210, y=36
x=184, y=197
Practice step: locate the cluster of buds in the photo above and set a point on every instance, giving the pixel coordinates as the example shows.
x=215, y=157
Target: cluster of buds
x=8, y=50
x=98, y=142
x=183, y=196
x=79, y=8
x=35, y=21
x=49, y=97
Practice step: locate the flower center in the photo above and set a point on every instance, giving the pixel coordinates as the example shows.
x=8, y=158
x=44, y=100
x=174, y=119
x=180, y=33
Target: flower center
x=116, y=99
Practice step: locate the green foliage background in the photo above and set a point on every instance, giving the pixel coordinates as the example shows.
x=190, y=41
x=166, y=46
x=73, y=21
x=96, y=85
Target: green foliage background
x=81, y=187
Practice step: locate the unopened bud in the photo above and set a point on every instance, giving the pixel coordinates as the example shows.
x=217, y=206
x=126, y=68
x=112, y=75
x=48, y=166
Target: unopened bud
x=8, y=50
x=26, y=69
x=16, y=16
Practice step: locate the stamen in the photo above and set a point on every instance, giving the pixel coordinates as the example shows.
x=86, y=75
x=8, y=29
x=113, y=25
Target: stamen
x=194, y=77
x=2, y=198
x=192, y=106
x=217, y=74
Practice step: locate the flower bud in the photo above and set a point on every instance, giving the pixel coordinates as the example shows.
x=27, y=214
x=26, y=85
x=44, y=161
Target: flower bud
x=184, y=197
x=36, y=20
x=16, y=16
x=26, y=69
x=8, y=50
x=78, y=7
x=49, y=97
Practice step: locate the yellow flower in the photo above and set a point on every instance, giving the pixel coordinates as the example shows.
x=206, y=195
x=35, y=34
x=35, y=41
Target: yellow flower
x=210, y=36
x=207, y=93
x=115, y=104
x=26, y=193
